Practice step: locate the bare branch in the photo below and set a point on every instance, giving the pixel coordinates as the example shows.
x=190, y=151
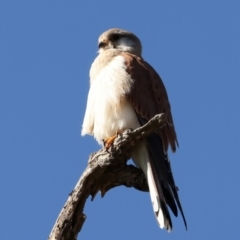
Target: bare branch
x=106, y=169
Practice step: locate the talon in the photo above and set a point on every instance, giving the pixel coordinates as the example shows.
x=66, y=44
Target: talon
x=108, y=142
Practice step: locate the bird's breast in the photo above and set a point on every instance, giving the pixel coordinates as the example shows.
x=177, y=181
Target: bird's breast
x=111, y=110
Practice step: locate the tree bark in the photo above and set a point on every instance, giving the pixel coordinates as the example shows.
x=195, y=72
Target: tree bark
x=106, y=169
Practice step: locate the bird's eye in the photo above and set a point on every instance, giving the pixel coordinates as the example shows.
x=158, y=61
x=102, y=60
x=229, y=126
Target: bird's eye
x=115, y=37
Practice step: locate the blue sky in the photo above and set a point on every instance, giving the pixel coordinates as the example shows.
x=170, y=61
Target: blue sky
x=46, y=48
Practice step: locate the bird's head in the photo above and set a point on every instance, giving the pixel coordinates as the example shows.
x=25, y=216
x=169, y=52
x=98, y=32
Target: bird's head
x=120, y=39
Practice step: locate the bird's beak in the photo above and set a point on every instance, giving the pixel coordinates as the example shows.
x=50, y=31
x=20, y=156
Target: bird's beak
x=105, y=44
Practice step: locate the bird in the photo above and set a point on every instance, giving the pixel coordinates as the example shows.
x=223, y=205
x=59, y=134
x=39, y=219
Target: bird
x=125, y=93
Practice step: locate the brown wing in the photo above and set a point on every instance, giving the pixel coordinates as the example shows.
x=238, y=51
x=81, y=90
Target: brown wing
x=148, y=97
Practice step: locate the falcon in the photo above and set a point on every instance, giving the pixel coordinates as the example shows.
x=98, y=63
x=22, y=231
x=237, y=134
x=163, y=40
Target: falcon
x=126, y=92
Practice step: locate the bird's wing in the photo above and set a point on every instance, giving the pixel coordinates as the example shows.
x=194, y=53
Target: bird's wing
x=148, y=97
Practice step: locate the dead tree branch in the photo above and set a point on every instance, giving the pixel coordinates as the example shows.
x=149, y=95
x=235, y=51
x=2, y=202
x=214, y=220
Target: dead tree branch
x=106, y=169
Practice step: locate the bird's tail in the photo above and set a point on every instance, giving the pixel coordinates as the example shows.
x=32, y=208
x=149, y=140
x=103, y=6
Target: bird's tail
x=161, y=187
x=142, y=159
x=159, y=206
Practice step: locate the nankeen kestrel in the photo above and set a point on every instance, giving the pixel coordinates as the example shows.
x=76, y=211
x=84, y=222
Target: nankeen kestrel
x=125, y=92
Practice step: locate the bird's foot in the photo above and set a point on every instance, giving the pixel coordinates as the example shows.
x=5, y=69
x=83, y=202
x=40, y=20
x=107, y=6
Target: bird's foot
x=108, y=142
